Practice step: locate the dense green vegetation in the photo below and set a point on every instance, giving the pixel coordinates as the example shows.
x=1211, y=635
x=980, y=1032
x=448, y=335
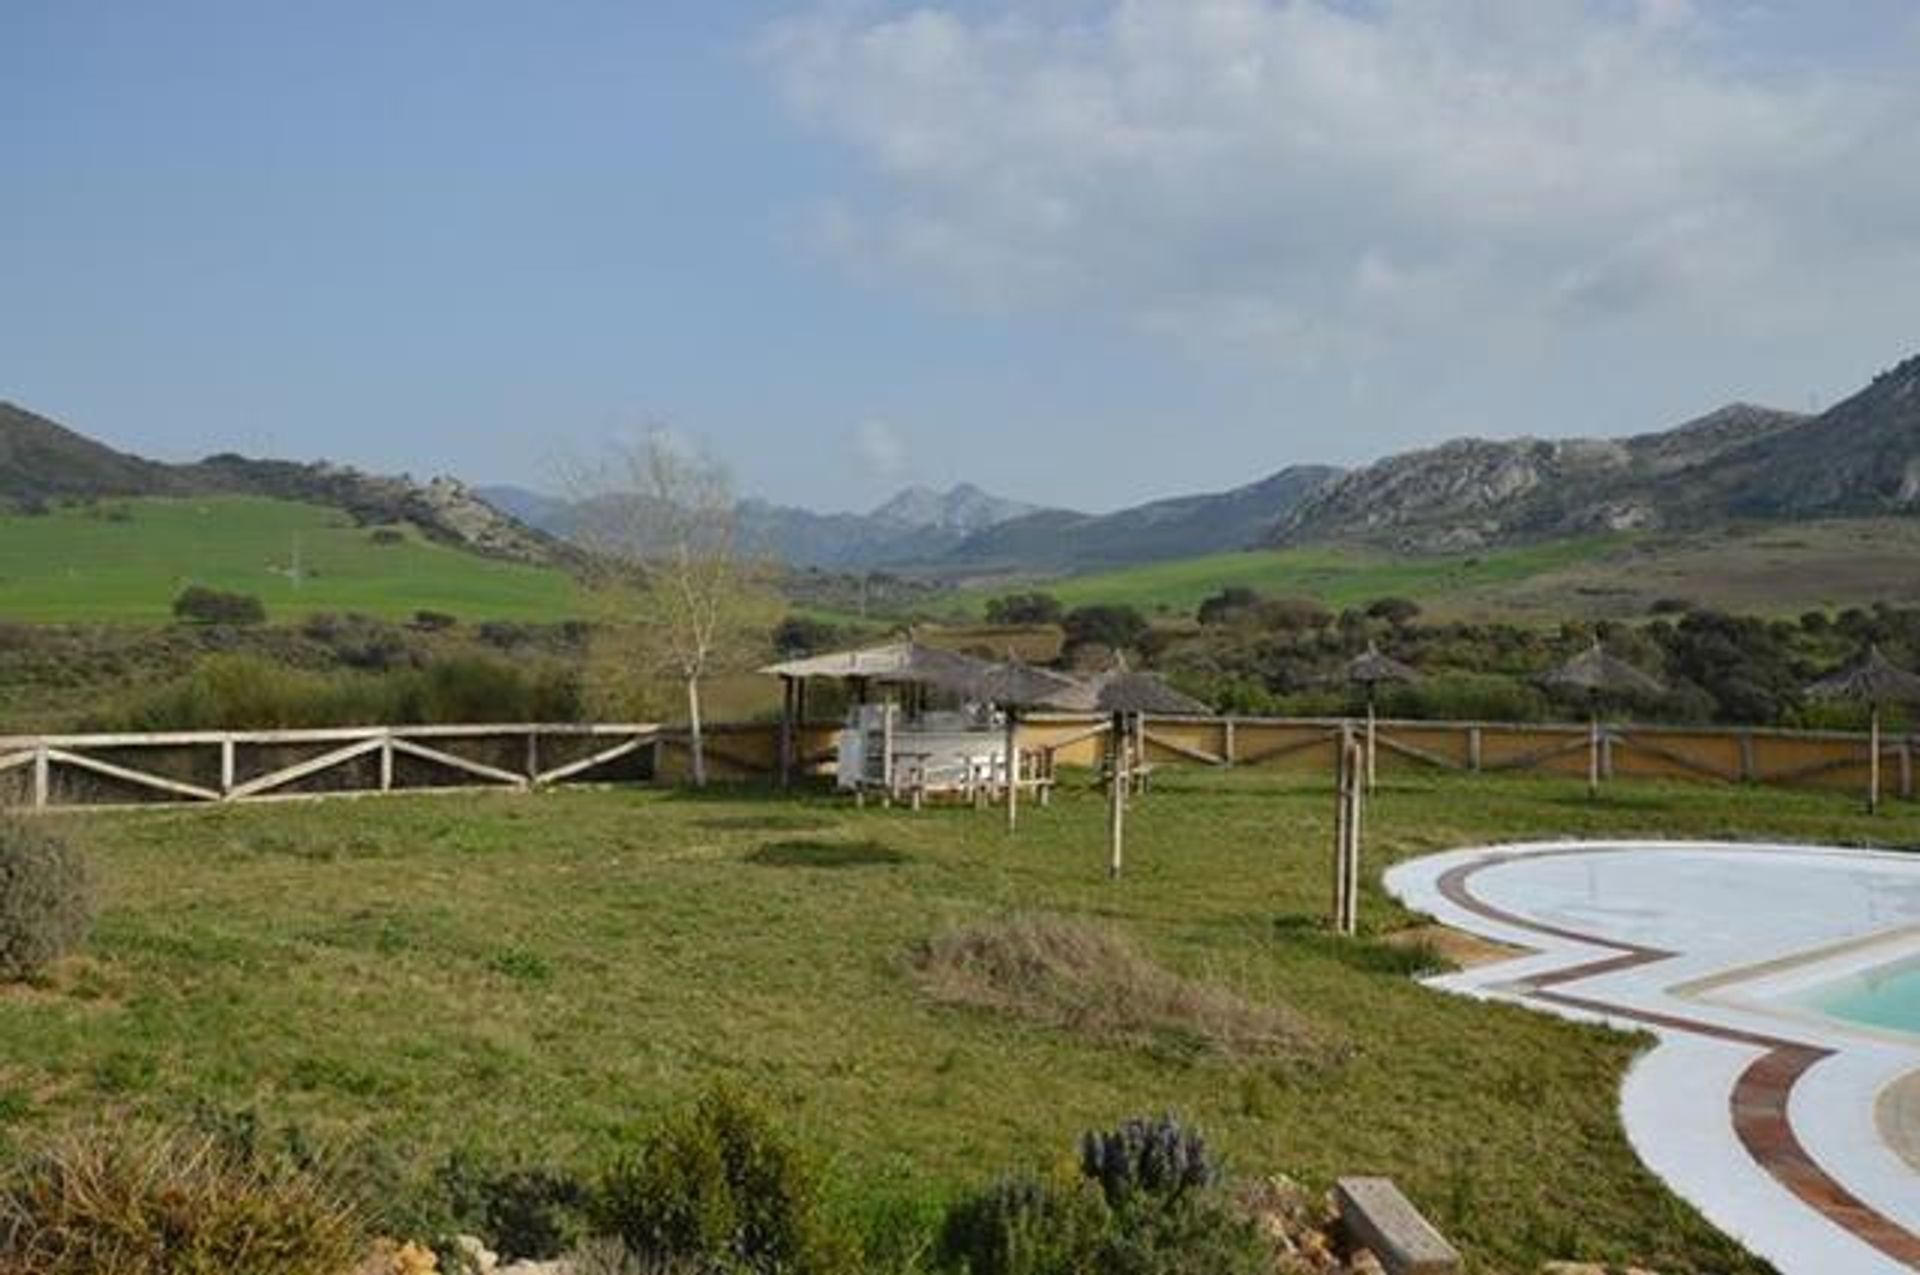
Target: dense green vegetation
x=1337, y=577
x=541, y=977
x=127, y=560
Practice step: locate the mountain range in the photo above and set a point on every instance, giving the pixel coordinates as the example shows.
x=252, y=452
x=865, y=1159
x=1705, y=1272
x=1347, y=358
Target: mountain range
x=1740, y=463
x=1860, y=458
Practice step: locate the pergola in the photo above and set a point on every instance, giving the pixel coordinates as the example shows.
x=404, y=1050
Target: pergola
x=1873, y=680
x=1009, y=687
x=1597, y=672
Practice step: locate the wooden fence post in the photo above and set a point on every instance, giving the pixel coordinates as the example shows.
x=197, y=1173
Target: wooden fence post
x=1906, y=770
x=386, y=761
x=42, y=777
x=1473, y=748
x=1349, y=795
x=1749, y=769
x=1226, y=740
x=228, y=769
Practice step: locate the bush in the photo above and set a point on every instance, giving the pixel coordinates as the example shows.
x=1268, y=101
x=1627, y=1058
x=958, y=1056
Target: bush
x=521, y=1212
x=1024, y=608
x=201, y=605
x=46, y=899
x=106, y=1203
x=719, y=1187
x=1119, y=627
x=1147, y=1204
x=387, y=536
x=1024, y=1226
x=434, y=621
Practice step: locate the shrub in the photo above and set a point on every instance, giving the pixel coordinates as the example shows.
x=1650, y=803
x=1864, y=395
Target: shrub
x=387, y=536
x=46, y=898
x=719, y=1186
x=201, y=605
x=103, y=1202
x=1119, y=627
x=1024, y=1226
x=1147, y=1205
x=1024, y=608
x=1147, y=1158
x=434, y=621
x=521, y=1212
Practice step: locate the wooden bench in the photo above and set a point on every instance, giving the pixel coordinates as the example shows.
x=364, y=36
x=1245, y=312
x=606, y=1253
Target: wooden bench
x=1378, y=1217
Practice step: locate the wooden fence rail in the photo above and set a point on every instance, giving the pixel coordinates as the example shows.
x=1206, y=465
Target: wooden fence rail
x=48, y=772
x=196, y=767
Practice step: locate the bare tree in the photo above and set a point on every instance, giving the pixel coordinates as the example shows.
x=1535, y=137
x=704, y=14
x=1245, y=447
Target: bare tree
x=658, y=522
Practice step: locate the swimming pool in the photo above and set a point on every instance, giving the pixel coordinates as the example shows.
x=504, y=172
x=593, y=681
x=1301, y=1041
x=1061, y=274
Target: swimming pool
x=1782, y=984
x=1886, y=997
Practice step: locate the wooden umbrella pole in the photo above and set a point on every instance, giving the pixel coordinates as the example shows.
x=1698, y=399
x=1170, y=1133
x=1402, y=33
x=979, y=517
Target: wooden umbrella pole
x=1873, y=759
x=1013, y=770
x=1371, y=744
x=1354, y=822
x=1593, y=751
x=1116, y=797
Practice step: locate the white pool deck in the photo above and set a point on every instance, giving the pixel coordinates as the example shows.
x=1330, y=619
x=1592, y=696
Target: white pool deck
x=1709, y=946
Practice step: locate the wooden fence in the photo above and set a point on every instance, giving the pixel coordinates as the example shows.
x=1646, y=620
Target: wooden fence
x=67, y=771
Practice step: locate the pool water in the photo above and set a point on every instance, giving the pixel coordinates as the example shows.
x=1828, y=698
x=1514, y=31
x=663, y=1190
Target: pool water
x=1887, y=997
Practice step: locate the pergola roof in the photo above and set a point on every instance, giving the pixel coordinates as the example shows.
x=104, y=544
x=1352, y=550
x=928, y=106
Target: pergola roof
x=1873, y=679
x=1596, y=672
x=916, y=664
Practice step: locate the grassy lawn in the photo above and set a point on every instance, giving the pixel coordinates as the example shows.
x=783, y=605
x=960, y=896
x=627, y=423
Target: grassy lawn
x=126, y=560
x=1337, y=577
x=543, y=975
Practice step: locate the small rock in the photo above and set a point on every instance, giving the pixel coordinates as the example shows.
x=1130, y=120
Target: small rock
x=474, y=1257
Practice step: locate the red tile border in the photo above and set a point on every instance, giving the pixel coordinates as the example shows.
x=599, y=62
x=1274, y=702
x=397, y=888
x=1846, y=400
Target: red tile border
x=1758, y=1103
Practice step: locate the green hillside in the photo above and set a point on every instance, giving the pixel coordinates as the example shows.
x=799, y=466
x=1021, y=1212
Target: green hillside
x=125, y=560
x=1335, y=576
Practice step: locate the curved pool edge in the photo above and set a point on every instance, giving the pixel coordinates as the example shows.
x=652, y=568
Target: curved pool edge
x=1792, y=1164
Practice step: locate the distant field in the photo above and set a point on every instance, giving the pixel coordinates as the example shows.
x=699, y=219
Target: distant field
x=1337, y=577
x=125, y=560
x=1780, y=570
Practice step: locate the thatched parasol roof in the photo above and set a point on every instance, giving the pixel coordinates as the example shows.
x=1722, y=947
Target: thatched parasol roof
x=1370, y=668
x=1130, y=692
x=1872, y=679
x=1596, y=672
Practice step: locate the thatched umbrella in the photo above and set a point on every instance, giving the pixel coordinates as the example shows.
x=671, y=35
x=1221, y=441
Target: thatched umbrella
x=1597, y=673
x=1873, y=680
x=1368, y=670
x=1128, y=698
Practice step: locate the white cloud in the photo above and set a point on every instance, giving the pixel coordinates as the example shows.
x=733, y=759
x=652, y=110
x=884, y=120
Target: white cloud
x=1304, y=179
x=881, y=450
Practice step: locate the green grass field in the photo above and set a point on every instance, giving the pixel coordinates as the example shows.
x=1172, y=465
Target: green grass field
x=1336, y=577
x=126, y=560
x=541, y=976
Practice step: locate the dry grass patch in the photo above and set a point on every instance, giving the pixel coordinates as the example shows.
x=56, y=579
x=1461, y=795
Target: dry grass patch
x=107, y=1201
x=1091, y=980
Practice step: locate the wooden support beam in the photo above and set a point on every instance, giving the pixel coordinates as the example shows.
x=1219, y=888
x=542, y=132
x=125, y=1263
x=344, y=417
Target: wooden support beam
x=1184, y=750
x=159, y=783
x=456, y=762
x=11, y=761
x=592, y=760
x=302, y=770
x=1627, y=740
x=42, y=778
x=1416, y=753
x=227, y=762
x=1291, y=747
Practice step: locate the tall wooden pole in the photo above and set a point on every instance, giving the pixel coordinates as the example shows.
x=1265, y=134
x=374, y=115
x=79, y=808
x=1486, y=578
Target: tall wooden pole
x=1013, y=769
x=1117, y=781
x=1873, y=759
x=1371, y=753
x=1593, y=748
x=786, y=732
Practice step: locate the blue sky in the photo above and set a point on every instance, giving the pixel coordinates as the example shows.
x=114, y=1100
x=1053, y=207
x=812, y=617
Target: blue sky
x=1084, y=253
